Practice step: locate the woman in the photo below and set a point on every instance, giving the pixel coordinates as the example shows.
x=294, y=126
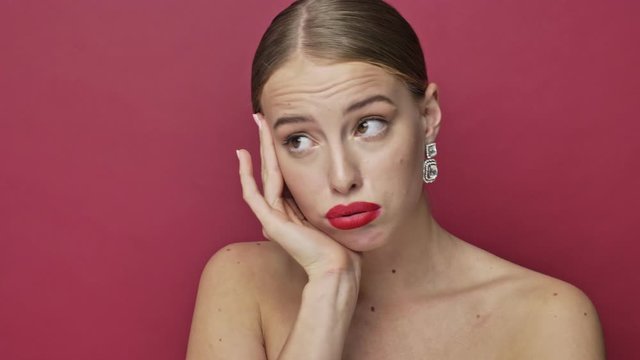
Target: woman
x=357, y=268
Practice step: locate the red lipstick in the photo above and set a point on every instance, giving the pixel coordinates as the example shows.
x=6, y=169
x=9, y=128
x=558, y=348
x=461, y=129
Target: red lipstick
x=354, y=215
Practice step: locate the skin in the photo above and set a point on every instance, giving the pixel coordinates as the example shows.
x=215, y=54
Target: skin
x=423, y=293
x=337, y=162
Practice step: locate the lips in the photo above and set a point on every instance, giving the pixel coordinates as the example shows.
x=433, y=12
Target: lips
x=353, y=215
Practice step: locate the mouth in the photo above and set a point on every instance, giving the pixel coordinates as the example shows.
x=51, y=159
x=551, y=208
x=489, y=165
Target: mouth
x=354, y=215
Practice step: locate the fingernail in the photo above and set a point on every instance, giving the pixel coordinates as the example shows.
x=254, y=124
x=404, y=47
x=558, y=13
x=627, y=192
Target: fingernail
x=238, y=154
x=257, y=120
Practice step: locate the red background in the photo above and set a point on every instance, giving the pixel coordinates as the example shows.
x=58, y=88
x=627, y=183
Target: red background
x=118, y=177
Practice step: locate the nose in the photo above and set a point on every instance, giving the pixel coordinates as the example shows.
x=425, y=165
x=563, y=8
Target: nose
x=344, y=174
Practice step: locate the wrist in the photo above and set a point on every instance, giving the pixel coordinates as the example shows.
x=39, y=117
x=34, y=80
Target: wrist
x=339, y=287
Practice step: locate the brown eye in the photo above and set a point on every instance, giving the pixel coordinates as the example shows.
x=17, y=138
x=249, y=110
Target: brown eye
x=297, y=143
x=362, y=127
x=371, y=127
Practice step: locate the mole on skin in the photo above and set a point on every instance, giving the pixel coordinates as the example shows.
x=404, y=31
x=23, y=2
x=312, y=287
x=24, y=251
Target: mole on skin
x=373, y=308
x=393, y=271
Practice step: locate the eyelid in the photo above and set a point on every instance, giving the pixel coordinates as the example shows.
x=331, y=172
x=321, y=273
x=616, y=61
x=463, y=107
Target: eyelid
x=368, y=118
x=288, y=138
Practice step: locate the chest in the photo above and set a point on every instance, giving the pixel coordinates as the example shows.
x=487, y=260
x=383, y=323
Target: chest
x=444, y=329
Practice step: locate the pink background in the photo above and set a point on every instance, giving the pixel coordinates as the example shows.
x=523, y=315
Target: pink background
x=118, y=177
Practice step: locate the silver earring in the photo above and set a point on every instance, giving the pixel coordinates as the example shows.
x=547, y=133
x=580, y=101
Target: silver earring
x=430, y=168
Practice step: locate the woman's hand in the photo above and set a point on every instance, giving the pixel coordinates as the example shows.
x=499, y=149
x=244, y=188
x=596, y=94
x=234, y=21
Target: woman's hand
x=281, y=219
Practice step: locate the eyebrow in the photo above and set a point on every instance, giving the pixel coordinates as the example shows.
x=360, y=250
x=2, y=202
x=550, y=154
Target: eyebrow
x=353, y=107
x=362, y=103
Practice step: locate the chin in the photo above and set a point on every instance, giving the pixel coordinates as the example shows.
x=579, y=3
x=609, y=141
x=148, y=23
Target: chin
x=360, y=240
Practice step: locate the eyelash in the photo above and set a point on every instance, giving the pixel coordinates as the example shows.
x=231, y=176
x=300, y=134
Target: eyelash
x=289, y=138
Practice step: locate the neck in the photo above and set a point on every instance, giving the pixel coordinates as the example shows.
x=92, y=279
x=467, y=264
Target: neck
x=410, y=264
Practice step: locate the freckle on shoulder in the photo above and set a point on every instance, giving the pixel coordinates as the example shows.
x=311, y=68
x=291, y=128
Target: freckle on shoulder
x=558, y=298
x=246, y=246
x=262, y=256
x=242, y=252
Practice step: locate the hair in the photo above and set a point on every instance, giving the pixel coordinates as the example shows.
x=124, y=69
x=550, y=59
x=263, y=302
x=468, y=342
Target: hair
x=370, y=31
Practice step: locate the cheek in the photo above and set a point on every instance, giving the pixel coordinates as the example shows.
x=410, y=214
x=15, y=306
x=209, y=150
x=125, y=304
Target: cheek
x=397, y=173
x=398, y=163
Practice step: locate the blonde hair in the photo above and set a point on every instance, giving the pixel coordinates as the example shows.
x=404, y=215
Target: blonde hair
x=370, y=31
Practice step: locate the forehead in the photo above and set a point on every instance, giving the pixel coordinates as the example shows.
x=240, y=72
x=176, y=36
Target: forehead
x=302, y=83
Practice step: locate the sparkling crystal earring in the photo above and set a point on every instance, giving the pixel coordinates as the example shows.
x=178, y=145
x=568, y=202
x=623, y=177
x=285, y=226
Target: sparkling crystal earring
x=430, y=168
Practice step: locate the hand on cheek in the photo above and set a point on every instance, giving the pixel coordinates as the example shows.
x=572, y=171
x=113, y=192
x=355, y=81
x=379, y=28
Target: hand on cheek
x=282, y=220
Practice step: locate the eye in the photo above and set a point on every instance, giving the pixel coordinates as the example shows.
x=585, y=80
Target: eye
x=297, y=143
x=371, y=127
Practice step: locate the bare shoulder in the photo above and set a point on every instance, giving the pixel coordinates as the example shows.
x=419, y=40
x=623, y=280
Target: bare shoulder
x=253, y=255
x=563, y=322
x=261, y=259
x=252, y=265
x=276, y=273
x=555, y=319
x=226, y=320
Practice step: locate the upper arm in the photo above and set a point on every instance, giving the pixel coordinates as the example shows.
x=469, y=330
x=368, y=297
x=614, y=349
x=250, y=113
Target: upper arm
x=226, y=317
x=564, y=326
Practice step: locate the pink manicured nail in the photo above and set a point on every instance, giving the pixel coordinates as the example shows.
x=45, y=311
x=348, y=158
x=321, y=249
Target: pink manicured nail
x=257, y=120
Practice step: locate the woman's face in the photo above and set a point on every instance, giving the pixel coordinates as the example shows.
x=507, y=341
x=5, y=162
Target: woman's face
x=345, y=133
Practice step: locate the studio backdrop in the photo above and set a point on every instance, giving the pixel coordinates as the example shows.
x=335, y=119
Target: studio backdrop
x=119, y=122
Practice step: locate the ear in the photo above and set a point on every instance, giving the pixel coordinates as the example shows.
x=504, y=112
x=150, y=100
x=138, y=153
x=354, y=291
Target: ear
x=430, y=111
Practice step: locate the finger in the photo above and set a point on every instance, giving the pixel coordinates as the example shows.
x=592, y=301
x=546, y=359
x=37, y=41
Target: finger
x=263, y=211
x=250, y=192
x=263, y=172
x=274, y=226
x=273, y=182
